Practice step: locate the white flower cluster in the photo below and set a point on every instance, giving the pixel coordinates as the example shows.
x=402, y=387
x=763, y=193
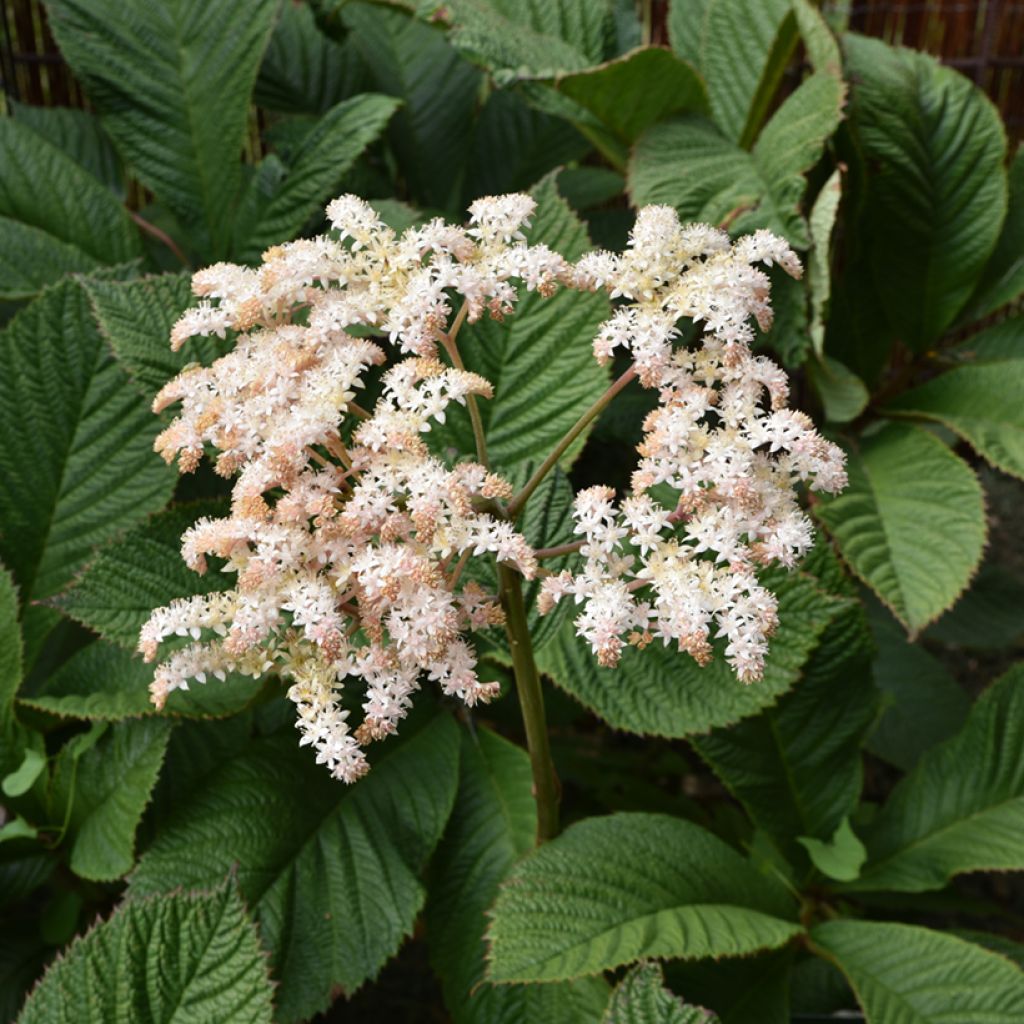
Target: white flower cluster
x=721, y=449
x=347, y=536
x=350, y=538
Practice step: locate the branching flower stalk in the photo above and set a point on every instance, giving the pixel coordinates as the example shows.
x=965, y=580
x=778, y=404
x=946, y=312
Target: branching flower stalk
x=349, y=533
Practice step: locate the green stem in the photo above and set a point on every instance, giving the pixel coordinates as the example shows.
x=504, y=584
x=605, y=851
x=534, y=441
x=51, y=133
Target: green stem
x=448, y=341
x=531, y=703
x=515, y=506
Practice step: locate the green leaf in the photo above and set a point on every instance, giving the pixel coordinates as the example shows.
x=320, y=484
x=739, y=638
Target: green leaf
x=902, y=972
x=172, y=85
x=641, y=998
x=662, y=692
x=821, y=224
x=987, y=617
x=325, y=154
x=102, y=793
x=689, y=164
x=76, y=453
x=331, y=871
x=103, y=682
x=304, y=71
x=209, y=967
x=743, y=990
x=980, y=400
x=10, y=643
x=841, y=858
x=535, y=39
x=616, y=889
x=629, y=94
x=17, y=828
x=911, y=523
x=79, y=135
x=540, y=362
x=414, y=62
x=796, y=766
x=1002, y=280
x=142, y=571
x=21, y=780
x=937, y=191
x=493, y=824
x=922, y=703
x=78, y=225
x=844, y=396
x=962, y=807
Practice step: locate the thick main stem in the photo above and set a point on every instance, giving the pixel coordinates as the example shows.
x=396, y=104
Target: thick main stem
x=531, y=703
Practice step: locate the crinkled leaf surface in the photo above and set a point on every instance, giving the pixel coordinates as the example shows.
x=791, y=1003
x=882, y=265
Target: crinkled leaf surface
x=962, y=807
x=615, y=889
x=76, y=453
x=661, y=692
x=331, y=871
x=183, y=957
x=904, y=973
x=172, y=83
x=641, y=998
x=937, y=191
x=911, y=523
x=980, y=399
x=493, y=825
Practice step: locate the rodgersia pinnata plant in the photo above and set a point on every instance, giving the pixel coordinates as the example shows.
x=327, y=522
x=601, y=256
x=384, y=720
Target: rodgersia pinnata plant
x=350, y=534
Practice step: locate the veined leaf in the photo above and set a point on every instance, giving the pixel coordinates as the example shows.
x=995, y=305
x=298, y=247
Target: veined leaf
x=415, y=63
x=844, y=396
x=77, y=455
x=902, y=972
x=103, y=682
x=540, y=362
x=209, y=968
x=582, y=903
x=819, y=264
x=911, y=523
x=102, y=793
x=493, y=824
x=662, y=692
x=331, y=871
x=79, y=135
x=641, y=998
x=980, y=400
x=962, y=807
x=937, y=195
x=689, y=164
x=78, y=225
x=142, y=571
x=1002, y=280
x=325, y=154
x=11, y=653
x=172, y=84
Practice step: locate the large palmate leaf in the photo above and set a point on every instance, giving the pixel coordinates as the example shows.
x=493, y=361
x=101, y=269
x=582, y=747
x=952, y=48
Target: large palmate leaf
x=641, y=998
x=76, y=452
x=540, y=362
x=184, y=957
x=172, y=84
x=741, y=48
x=962, y=807
x=102, y=792
x=415, y=63
x=911, y=523
x=55, y=216
x=937, y=190
x=326, y=152
x=103, y=682
x=903, y=973
x=142, y=571
x=136, y=317
x=535, y=38
x=1002, y=280
x=616, y=889
x=331, y=871
x=493, y=825
x=689, y=164
x=980, y=400
x=796, y=766
x=661, y=692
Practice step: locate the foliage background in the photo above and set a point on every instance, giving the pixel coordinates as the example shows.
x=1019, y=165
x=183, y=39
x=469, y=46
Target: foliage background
x=914, y=359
